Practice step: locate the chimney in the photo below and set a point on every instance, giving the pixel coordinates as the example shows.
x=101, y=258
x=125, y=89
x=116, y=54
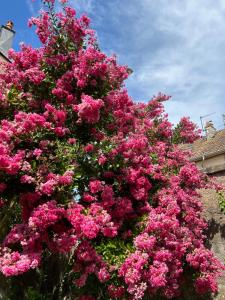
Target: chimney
x=210, y=130
x=6, y=38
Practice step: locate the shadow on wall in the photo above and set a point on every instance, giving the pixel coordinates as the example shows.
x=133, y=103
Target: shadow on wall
x=214, y=228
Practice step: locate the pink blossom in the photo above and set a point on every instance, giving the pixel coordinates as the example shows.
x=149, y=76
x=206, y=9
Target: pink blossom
x=37, y=152
x=66, y=178
x=126, y=210
x=95, y=186
x=27, y=179
x=89, y=109
x=88, y=198
x=103, y=275
x=12, y=264
x=89, y=228
x=145, y=242
x=48, y=187
x=72, y=141
x=116, y=291
x=102, y=159
x=89, y=148
x=45, y=215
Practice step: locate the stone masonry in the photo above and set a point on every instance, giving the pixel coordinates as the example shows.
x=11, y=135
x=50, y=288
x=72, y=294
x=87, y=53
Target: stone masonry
x=216, y=230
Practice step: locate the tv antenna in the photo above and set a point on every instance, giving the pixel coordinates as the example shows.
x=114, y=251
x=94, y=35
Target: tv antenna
x=202, y=117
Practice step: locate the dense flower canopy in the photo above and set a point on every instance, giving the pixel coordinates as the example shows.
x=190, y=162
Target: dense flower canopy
x=92, y=175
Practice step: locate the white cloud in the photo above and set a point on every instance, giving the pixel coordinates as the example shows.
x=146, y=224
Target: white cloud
x=34, y=6
x=30, y=7
x=192, y=67
x=83, y=6
x=173, y=46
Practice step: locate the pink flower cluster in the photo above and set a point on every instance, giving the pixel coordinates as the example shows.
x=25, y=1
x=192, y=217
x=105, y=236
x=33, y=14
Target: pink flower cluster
x=14, y=263
x=70, y=132
x=188, y=130
x=202, y=259
x=89, y=109
x=53, y=181
x=45, y=215
x=89, y=225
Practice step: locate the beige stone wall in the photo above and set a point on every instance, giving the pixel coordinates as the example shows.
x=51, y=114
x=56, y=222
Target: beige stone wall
x=212, y=161
x=216, y=230
x=213, y=164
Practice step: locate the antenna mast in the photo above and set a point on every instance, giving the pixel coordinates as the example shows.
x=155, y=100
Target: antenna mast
x=202, y=117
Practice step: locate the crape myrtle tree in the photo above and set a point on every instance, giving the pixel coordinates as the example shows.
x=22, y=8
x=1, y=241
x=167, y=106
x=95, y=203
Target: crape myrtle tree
x=97, y=199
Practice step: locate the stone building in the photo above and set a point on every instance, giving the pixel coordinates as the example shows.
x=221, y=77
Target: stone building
x=209, y=155
x=209, y=152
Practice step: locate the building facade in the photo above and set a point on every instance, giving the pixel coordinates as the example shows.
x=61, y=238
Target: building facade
x=209, y=155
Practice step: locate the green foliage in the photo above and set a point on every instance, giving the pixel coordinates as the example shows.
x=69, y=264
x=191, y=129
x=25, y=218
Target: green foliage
x=221, y=196
x=33, y=294
x=177, y=139
x=9, y=216
x=114, y=251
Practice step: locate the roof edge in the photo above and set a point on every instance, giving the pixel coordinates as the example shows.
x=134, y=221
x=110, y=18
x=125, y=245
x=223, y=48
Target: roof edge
x=3, y=26
x=212, y=154
x=5, y=57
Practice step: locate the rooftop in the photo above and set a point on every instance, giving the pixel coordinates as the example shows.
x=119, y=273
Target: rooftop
x=207, y=147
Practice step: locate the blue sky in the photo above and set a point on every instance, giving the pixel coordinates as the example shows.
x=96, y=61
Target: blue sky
x=173, y=46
